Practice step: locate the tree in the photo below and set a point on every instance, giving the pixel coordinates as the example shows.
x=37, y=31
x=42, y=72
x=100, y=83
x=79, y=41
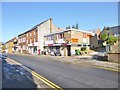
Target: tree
x=3, y=47
x=73, y=26
x=104, y=36
x=77, y=26
x=111, y=40
x=68, y=27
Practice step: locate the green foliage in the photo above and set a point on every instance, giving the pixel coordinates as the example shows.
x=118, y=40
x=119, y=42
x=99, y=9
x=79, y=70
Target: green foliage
x=76, y=26
x=83, y=48
x=112, y=40
x=77, y=52
x=103, y=36
x=73, y=26
x=68, y=27
x=3, y=47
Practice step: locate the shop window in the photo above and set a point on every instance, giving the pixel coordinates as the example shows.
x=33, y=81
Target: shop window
x=52, y=37
x=79, y=45
x=84, y=45
x=89, y=45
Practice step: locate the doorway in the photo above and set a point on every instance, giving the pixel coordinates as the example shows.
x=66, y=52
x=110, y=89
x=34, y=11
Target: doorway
x=69, y=50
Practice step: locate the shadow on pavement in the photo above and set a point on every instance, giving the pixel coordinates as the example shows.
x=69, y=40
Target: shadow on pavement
x=14, y=77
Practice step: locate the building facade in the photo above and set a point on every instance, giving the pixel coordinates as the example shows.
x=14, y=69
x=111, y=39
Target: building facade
x=10, y=45
x=22, y=45
x=32, y=40
x=95, y=40
x=67, y=41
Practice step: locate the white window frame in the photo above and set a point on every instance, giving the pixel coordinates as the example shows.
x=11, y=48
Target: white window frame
x=19, y=40
x=34, y=39
x=30, y=34
x=30, y=40
x=27, y=40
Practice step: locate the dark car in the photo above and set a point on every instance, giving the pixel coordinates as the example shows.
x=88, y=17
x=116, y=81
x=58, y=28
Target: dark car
x=57, y=53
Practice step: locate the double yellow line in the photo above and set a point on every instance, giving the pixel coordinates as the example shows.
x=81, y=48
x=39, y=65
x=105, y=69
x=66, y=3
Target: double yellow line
x=46, y=81
x=38, y=76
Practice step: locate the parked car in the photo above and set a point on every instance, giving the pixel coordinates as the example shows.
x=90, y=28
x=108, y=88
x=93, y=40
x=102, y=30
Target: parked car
x=52, y=53
x=57, y=53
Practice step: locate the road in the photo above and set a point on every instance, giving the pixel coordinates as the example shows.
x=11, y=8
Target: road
x=68, y=75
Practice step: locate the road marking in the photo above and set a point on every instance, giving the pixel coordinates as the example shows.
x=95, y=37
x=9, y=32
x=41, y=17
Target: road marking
x=49, y=83
x=107, y=68
x=40, y=77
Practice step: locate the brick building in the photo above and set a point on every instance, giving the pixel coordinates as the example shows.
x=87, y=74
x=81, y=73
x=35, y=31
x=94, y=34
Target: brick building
x=33, y=40
x=10, y=45
x=67, y=41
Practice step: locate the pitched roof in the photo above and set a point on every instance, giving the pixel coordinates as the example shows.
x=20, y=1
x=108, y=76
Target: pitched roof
x=11, y=40
x=34, y=27
x=115, y=29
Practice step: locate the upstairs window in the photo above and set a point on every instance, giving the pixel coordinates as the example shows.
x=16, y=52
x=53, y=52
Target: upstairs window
x=84, y=35
x=61, y=36
x=27, y=34
x=30, y=40
x=18, y=40
x=30, y=34
x=34, y=34
x=21, y=40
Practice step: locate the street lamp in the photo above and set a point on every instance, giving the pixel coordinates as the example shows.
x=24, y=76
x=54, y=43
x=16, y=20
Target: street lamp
x=108, y=46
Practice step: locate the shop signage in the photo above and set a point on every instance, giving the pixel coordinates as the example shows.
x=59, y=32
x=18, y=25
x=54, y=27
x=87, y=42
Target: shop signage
x=74, y=39
x=50, y=44
x=63, y=44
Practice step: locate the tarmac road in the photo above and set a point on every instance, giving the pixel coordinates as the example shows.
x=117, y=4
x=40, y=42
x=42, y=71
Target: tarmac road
x=68, y=75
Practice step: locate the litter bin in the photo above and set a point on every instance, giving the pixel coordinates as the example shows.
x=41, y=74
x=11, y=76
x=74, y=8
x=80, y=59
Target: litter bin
x=77, y=52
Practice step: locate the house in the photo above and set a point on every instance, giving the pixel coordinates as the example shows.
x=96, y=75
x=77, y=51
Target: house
x=95, y=40
x=15, y=45
x=10, y=45
x=114, y=31
x=32, y=40
x=67, y=41
x=22, y=45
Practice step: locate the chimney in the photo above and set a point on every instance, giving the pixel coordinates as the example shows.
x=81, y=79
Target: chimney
x=50, y=25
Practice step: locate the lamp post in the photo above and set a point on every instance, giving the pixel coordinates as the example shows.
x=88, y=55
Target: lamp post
x=108, y=46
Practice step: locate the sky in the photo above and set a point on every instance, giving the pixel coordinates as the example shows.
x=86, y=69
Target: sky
x=18, y=17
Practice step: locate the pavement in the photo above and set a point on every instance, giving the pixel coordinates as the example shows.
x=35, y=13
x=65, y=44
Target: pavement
x=13, y=76
x=68, y=75
x=85, y=60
